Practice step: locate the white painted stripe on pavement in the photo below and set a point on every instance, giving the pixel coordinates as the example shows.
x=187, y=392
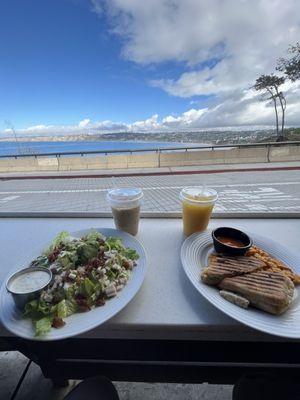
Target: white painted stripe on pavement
x=9, y=198
x=148, y=188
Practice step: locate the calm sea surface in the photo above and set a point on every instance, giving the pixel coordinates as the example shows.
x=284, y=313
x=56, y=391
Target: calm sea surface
x=12, y=148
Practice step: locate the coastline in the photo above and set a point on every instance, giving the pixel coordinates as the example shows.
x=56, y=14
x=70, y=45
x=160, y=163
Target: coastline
x=12, y=148
x=259, y=153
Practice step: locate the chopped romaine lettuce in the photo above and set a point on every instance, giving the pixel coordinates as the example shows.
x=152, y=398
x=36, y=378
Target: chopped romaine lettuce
x=31, y=309
x=70, y=293
x=86, y=251
x=43, y=325
x=65, y=308
x=87, y=287
x=62, y=238
x=71, y=306
x=92, y=236
x=62, y=310
x=41, y=261
x=67, y=259
x=114, y=243
x=36, y=309
x=88, y=247
x=130, y=253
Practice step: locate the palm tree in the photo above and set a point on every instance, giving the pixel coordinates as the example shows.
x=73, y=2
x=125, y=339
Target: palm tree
x=270, y=85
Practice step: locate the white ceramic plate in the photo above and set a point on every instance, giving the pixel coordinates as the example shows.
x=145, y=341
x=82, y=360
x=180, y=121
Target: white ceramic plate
x=194, y=256
x=81, y=322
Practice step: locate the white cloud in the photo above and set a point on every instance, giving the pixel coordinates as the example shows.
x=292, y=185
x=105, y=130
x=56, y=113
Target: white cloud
x=223, y=44
x=246, y=36
x=96, y=7
x=150, y=124
x=85, y=122
x=243, y=109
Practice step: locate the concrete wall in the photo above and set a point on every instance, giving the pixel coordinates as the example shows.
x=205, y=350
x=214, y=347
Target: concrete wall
x=285, y=153
x=206, y=157
x=147, y=160
x=153, y=160
x=18, y=165
x=81, y=163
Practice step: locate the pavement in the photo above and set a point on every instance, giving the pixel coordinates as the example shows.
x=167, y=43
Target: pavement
x=262, y=189
x=36, y=387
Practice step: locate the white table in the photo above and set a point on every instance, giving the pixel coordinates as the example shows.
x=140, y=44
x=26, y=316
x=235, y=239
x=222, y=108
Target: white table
x=167, y=306
x=166, y=310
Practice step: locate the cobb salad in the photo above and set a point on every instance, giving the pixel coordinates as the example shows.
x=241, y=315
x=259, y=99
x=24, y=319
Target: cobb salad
x=86, y=273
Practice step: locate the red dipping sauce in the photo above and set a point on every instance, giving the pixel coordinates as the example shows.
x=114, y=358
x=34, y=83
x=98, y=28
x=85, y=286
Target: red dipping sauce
x=230, y=241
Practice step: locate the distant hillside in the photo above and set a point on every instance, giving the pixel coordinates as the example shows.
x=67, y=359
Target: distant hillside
x=207, y=137
x=290, y=134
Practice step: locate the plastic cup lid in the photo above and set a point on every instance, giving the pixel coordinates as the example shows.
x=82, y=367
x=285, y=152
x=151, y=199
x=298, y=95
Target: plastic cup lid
x=125, y=194
x=199, y=194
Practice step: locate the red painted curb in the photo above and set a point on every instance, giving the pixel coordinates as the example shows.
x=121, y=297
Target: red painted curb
x=215, y=171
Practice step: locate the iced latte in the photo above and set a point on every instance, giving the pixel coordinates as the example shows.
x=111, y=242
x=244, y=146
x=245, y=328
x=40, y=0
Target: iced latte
x=125, y=206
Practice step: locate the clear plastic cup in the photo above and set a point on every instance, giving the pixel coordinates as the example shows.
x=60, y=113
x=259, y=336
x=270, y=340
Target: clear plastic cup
x=125, y=206
x=197, y=205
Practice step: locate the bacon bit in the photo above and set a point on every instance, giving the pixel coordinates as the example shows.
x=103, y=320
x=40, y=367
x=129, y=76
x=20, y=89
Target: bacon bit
x=101, y=262
x=58, y=322
x=56, y=298
x=53, y=256
x=100, y=301
x=80, y=296
x=83, y=305
x=89, y=269
x=101, y=253
x=126, y=264
x=93, y=264
x=53, y=270
x=67, y=277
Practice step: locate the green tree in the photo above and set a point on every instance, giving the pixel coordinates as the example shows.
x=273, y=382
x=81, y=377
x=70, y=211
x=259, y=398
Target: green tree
x=291, y=66
x=269, y=85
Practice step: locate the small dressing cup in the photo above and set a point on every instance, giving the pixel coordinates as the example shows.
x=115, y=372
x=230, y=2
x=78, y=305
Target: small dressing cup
x=23, y=296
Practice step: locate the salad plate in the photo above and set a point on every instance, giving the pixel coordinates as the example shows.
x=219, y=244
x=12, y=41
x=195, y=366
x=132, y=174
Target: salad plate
x=79, y=322
x=195, y=252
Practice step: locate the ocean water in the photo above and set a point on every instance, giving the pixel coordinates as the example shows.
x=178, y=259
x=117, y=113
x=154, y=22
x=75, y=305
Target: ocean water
x=35, y=148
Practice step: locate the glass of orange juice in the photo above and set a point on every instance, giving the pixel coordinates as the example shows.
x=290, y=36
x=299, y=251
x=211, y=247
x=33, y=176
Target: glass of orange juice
x=197, y=205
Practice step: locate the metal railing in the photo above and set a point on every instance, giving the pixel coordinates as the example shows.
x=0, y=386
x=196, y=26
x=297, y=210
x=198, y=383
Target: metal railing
x=153, y=149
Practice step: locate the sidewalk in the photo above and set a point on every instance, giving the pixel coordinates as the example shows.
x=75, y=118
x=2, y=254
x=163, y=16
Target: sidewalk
x=203, y=169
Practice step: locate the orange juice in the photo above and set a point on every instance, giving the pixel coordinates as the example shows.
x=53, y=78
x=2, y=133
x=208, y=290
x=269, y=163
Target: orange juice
x=197, y=206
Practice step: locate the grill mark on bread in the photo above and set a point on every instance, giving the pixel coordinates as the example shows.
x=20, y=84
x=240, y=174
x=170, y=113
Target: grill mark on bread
x=268, y=283
x=248, y=276
x=269, y=280
x=268, y=295
x=231, y=267
x=224, y=259
x=270, y=292
x=221, y=266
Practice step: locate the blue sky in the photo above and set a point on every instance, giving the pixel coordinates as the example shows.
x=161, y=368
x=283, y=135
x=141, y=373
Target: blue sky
x=140, y=65
x=59, y=65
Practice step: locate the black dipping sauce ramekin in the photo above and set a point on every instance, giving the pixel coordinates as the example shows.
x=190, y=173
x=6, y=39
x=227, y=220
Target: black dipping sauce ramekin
x=233, y=234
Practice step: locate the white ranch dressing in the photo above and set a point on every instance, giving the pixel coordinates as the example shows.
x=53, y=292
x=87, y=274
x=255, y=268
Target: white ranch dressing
x=29, y=281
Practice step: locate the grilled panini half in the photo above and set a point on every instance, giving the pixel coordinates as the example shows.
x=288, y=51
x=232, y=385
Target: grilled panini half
x=223, y=266
x=269, y=291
